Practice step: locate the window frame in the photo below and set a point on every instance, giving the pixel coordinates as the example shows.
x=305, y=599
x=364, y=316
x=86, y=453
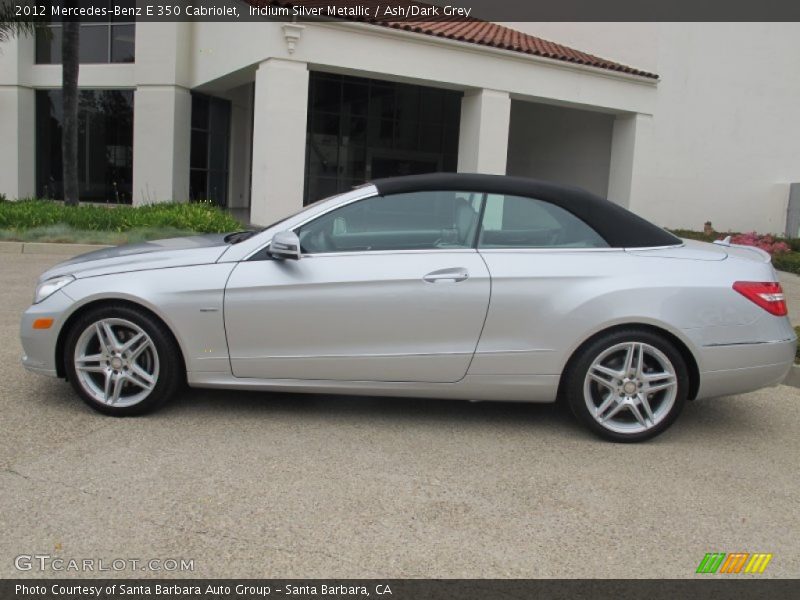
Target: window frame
x=471, y=247
x=540, y=249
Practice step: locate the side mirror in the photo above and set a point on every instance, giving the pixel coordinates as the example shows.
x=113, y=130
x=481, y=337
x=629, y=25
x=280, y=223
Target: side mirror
x=285, y=245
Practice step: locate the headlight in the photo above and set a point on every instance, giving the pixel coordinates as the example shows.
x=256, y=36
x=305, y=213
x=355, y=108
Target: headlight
x=50, y=287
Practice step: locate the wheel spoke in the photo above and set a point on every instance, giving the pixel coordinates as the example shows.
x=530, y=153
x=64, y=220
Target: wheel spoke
x=607, y=402
x=111, y=337
x=629, y=357
x=646, y=405
x=638, y=414
x=140, y=347
x=608, y=372
x=82, y=363
x=602, y=381
x=132, y=342
x=119, y=380
x=640, y=362
x=141, y=378
x=613, y=412
x=109, y=380
x=105, y=345
x=652, y=389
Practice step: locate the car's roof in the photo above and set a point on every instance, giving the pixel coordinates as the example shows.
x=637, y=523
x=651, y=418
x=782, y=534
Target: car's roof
x=618, y=226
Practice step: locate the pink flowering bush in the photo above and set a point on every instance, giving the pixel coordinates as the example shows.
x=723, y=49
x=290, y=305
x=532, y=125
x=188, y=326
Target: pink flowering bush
x=766, y=242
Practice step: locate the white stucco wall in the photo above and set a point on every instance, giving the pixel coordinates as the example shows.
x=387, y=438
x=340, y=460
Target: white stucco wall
x=560, y=144
x=725, y=131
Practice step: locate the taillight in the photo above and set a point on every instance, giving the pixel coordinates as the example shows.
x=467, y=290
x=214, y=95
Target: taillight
x=767, y=294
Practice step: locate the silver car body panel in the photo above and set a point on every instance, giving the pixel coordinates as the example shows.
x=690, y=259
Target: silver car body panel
x=491, y=325
x=402, y=316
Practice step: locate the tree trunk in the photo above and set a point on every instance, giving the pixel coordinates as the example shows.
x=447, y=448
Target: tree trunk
x=69, y=125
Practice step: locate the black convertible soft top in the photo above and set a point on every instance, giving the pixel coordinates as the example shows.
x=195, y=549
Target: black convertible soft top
x=619, y=227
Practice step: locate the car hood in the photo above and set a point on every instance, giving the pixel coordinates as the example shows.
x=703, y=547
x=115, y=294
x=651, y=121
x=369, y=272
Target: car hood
x=156, y=254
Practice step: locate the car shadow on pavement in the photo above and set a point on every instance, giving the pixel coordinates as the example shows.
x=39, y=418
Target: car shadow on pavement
x=333, y=407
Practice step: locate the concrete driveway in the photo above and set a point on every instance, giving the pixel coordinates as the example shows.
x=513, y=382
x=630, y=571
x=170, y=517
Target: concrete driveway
x=264, y=485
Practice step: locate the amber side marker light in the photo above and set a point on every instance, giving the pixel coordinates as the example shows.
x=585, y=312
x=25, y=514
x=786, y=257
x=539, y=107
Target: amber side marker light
x=42, y=323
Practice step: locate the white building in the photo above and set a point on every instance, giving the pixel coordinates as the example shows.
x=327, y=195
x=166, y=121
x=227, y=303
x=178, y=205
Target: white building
x=267, y=115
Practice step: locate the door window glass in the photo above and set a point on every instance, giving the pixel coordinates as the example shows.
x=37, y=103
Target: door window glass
x=518, y=222
x=413, y=221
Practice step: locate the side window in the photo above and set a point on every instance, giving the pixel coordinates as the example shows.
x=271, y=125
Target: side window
x=517, y=222
x=413, y=221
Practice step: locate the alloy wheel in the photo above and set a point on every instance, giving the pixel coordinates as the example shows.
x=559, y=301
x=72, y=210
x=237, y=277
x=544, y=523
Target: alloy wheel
x=630, y=387
x=116, y=362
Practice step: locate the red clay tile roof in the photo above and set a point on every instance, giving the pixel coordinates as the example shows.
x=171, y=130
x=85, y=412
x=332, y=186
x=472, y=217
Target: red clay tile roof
x=483, y=33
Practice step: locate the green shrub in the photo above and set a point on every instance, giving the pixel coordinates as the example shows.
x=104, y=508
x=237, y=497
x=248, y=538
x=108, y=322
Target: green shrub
x=787, y=262
x=200, y=216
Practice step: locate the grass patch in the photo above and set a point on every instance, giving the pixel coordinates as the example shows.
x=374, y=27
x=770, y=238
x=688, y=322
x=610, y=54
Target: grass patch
x=198, y=217
x=65, y=234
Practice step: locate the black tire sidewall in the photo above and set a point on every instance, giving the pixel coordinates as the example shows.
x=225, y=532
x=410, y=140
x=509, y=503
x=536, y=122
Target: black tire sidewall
x=579, y=366
x=169, y=365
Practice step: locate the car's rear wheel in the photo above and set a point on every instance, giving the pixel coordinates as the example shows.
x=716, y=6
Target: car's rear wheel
x=628, y=385
x=121, y=361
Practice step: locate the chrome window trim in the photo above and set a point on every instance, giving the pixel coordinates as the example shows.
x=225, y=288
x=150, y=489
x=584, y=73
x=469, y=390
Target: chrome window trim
x=389, y=252
x=373, y=192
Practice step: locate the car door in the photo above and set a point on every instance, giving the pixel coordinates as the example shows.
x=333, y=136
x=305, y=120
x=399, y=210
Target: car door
x=546, y=264
x=387, y=289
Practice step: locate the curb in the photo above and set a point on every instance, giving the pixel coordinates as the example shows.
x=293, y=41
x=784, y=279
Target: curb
x=48, y=248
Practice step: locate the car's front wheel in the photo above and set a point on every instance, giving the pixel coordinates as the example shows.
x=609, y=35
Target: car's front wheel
x=628, y=385
x=121, y=361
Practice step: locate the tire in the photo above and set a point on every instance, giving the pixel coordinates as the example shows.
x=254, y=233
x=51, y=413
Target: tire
x=608, y=388
x=130, y=371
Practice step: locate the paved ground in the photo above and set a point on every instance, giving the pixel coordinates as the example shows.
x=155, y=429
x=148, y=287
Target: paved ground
x=260, y=485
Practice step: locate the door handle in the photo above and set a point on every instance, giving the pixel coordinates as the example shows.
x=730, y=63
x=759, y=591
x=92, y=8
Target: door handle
x=453, y=275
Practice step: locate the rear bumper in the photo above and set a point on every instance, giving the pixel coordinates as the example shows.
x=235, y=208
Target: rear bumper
x=739, y=368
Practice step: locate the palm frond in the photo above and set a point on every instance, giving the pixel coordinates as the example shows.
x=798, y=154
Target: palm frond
x=11, y=25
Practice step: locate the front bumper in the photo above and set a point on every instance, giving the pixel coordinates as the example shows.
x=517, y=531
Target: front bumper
x=39, y=345
x=739, y=368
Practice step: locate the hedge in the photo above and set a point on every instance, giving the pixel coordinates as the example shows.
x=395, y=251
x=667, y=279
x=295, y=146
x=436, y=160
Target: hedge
x=196, y=216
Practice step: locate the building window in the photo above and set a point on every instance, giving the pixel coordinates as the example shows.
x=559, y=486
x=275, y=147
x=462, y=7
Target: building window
x=208, y=159
x=105, y=145
x=112, y=40
x=362, y=129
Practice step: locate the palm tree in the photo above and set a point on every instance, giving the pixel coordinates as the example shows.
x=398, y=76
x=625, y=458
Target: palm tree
x=11, y=25
x=70, y=44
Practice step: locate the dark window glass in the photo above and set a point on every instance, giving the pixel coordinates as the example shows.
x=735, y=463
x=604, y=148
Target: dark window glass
x=105, y=145
x=517, y=222
x=200, y=112
x=123, y=43
x=110, y=41
x=415, y=221
x=210, y=139
x=48, y=45
x=361, y=129
x=199, y=153
x=93, y=45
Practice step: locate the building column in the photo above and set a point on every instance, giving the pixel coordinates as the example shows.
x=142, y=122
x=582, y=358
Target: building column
x=629, y=141
x=279, y=140
x=483, y=135
x=17, y=142
x=162, y=116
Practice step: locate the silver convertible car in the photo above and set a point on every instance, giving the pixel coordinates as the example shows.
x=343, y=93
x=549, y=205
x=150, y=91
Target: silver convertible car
x=459, y=286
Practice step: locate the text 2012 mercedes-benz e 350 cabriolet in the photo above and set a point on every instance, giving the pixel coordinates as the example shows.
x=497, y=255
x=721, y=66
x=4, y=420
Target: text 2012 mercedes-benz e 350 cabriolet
x=443, y=286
